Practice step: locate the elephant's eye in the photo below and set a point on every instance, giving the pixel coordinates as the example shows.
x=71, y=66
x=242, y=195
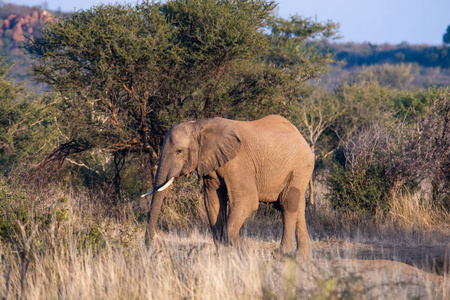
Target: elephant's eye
x=179, y=151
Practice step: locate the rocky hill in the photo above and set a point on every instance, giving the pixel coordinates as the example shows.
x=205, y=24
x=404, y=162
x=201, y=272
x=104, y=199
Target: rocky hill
x=15, y=27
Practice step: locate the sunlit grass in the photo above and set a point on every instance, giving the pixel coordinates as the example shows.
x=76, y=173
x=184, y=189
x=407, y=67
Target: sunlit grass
x=87, y=255
x=191, y=267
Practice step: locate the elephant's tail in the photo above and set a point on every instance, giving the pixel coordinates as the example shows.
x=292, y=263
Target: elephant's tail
x=311, y=191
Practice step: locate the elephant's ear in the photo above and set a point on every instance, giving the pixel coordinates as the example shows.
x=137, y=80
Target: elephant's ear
x=219, y=142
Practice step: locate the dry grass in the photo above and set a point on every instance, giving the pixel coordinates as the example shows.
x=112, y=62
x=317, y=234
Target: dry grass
x=190, y=267
x=411, y=220
x=86, y=255
x=416, y=210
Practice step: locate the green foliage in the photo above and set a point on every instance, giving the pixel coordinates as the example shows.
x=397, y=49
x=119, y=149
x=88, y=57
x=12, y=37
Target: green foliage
x=57, y=217
x=365, y=190
x=398, y=76
x=91, y=238
x=369, y=169
x=25, y=128
x=314, y=114
x=255, y=90
x=131, y=95
x=328, y=118
x=359, y=105
x=394, y=152
x=217, y=32
x=411, y=106
x=126, y=73
x=298, y=45
x=18, y=202
x=14, y=206
x=365, y=102
x=362, y=190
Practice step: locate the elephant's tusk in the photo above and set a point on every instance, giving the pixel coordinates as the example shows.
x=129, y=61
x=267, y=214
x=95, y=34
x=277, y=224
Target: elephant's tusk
x=165, y=186
x=146, y=194
x=162, y=188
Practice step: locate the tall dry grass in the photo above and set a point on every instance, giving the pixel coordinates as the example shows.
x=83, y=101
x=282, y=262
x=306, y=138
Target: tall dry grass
x=190, y=267
x=412, y=219
x=86, y=254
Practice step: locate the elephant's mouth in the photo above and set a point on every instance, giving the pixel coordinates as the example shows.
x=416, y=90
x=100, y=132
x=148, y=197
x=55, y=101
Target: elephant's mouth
x=186, y=173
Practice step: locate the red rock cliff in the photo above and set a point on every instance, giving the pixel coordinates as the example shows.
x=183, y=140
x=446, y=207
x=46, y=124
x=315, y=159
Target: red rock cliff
x=15, y=26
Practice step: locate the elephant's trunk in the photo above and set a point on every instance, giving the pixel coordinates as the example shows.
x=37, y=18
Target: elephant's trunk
x=161, y=184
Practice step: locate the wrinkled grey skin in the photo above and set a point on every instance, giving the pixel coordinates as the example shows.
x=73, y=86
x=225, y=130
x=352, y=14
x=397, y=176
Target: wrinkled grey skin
x=241, y=163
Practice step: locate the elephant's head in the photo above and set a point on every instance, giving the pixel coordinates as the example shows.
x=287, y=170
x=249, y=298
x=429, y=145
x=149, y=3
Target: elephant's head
x=202, y=146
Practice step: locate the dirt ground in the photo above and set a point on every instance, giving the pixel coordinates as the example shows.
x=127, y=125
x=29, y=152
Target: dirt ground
x=372, y=271
x=429, y=258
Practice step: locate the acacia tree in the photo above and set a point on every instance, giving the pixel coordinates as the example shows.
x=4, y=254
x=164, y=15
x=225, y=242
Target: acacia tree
x=126, y=73
x=297, y=44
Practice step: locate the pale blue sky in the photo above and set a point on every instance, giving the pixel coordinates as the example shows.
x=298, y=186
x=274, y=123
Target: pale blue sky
x=375, y=21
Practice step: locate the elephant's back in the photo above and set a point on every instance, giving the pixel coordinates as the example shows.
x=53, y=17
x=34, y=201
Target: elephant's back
x=274, y=141
x=273, y=123
x=271, y=132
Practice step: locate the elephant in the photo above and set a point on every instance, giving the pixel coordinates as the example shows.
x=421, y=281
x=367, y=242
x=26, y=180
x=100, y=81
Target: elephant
x=240, y=163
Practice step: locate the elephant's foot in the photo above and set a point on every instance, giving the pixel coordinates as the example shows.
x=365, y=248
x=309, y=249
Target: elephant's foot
x=224, y=241
x=301, y=254
x=282, y=255
x=304, y=253
x=287, y=247
x=285, y=251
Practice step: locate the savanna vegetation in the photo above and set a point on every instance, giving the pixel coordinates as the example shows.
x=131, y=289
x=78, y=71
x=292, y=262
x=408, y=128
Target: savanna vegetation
x=74, y=160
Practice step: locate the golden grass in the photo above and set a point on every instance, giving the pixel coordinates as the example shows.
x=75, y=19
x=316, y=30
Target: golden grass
x=190, y=267
x=416, y=210
x=87, y=255
x=411, y=220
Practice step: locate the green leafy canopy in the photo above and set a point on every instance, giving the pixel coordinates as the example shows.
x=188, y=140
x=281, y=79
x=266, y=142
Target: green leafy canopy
x=126, y=73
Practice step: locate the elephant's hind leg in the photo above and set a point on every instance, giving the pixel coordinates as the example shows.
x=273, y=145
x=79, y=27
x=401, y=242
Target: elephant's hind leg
x=295, y=232
x=303, y=241
x=289, y=207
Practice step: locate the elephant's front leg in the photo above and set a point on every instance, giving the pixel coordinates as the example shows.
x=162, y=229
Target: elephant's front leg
x=216, y=208
x=243, y=201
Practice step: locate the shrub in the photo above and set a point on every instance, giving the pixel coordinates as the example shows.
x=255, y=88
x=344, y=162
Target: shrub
x=429, y=150
x=398, y=76
x=366, y=170
x=13, y=207
x=364, y=190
